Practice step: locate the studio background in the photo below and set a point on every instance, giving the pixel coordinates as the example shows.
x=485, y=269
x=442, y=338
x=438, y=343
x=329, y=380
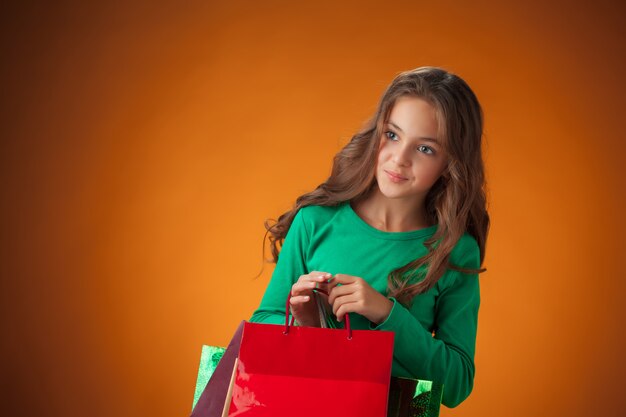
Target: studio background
x=143, y=144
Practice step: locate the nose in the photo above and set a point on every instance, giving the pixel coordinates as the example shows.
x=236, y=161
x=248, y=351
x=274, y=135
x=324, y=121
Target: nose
x=401, y=155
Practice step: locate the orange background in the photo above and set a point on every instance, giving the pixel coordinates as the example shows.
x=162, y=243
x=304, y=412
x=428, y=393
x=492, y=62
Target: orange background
x=144, y=145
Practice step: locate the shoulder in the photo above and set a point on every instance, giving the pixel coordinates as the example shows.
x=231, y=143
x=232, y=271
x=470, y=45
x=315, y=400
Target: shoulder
x=466, y=252
x=315, y=211
x=315, y=215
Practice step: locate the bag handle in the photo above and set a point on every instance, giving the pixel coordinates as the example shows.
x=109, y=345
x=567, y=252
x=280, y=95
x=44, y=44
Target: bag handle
x=288, y=324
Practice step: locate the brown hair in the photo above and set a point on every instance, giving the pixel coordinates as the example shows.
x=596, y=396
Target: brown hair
x=456, y=202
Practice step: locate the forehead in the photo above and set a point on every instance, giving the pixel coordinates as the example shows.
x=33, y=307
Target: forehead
x=415, y=118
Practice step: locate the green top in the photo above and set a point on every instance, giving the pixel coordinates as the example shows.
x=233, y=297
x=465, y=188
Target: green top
x=336, y=240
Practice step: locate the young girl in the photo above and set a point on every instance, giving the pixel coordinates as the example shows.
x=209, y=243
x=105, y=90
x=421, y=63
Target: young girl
x=397, y=234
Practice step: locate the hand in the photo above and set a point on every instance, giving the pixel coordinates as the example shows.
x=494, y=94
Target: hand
x=303, y=307
x=355, y=295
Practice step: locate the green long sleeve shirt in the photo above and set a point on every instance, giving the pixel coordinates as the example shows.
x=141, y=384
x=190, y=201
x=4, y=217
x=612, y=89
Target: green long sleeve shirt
x=336, y=240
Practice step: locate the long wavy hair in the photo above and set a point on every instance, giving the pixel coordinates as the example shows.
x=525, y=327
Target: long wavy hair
x=457, y=200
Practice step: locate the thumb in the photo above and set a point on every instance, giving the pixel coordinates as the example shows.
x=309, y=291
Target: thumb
x=343, y=279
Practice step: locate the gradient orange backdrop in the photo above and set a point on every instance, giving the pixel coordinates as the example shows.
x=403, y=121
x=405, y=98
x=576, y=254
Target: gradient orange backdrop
x=144, y=144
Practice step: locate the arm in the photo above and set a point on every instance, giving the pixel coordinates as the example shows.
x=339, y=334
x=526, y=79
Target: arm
x=449, y=356
x=291, y=264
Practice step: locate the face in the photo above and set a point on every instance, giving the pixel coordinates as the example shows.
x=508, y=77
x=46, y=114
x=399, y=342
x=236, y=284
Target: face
x=410, y=157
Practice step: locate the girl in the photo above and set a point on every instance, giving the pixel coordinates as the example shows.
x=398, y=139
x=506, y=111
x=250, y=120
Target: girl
x=397, y=234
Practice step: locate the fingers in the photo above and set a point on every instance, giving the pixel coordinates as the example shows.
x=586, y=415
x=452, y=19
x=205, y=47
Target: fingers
x=345, y=308
x=329, y=285
x=317, y=276
x=299, y=299
x=346, y=279
x=301, y=302
x=349, y=285
x=339, y=291
x=302, y=291
x=306, y=283
x=349, y=294
x=344, y=299
x=302, y=288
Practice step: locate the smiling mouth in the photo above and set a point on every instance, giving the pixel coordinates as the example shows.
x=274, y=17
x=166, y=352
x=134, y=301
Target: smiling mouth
x=395, y=177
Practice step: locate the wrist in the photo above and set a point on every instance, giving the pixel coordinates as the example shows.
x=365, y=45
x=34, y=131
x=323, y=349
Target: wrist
x=384, y=313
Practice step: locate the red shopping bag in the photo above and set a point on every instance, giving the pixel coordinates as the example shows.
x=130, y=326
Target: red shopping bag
x=283, y=370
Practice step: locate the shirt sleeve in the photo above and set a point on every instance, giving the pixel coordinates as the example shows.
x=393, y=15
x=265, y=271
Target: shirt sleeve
x=448, y=357
x=290, y=266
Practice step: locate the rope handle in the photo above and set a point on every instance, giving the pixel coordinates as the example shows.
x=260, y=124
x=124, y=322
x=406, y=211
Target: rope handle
x=288, y=324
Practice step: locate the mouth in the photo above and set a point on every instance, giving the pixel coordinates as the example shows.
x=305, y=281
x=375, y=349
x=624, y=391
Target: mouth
x=395, y=176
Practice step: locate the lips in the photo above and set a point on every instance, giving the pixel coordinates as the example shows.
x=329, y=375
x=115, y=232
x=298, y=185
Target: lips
x=396, y=175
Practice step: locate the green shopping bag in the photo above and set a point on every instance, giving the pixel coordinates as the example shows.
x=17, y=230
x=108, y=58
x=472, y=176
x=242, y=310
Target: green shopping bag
x=209, y=358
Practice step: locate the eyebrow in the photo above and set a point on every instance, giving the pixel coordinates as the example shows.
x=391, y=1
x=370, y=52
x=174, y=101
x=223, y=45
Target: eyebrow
x=427, y=139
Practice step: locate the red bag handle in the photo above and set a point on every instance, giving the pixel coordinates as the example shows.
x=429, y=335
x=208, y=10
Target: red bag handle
x=287, y=324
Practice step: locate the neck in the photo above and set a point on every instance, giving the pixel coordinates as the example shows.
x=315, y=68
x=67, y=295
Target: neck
x=392, y=215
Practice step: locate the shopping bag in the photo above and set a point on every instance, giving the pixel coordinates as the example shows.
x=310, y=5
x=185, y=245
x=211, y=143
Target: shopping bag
x=229, y=393
x=209, y=359
x=284, y=370
x=408, y=397
x=214, y=377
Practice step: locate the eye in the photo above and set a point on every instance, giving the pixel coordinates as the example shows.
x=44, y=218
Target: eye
x=390, y=132
x=428, y=149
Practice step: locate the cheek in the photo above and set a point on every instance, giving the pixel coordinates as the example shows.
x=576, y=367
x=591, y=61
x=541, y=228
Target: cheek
x=382, y=154
x=379, y=158
x=381, y=146
x=428, y=171
x=378, y=167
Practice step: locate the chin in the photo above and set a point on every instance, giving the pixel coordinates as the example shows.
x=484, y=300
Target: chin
x=390, y=194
